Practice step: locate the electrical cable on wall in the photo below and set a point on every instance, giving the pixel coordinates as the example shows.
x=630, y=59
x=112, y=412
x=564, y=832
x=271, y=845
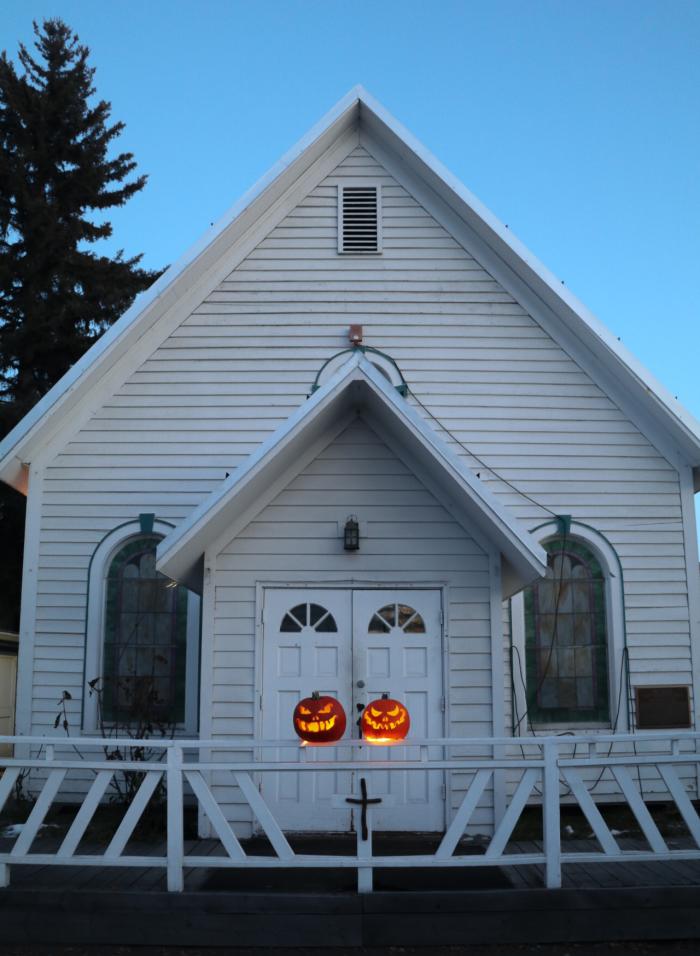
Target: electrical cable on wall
x=624, y=661
x=483, y=464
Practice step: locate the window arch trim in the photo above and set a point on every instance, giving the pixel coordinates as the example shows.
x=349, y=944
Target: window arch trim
x=567, y=632
x=605, y=553
x=94, y=632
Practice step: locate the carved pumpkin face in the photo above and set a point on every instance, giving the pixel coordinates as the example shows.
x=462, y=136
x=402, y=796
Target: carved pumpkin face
x=385, y=721
x=319, y=720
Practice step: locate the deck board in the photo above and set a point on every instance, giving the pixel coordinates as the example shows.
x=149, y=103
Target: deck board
x=612, y=875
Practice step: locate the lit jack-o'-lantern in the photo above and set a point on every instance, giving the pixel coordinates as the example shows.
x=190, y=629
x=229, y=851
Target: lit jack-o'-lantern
x=319, y=720
x=385, y=721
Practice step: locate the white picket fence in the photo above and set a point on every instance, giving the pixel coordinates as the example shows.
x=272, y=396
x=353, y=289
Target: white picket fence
x=545, y=770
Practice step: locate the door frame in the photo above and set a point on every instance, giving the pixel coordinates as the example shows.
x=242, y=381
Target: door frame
x=356, y=584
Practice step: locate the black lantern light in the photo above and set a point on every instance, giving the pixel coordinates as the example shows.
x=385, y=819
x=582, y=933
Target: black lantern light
x=351, y=535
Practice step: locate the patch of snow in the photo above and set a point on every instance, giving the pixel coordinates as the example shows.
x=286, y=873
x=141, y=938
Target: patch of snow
x=14, y=829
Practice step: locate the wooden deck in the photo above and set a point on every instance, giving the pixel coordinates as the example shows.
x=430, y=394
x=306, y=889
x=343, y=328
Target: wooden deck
x=152, y=879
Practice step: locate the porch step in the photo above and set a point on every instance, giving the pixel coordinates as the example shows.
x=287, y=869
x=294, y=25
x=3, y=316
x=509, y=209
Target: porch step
x=226, y=919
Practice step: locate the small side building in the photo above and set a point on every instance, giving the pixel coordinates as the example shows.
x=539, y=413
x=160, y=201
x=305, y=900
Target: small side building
x=9, y=648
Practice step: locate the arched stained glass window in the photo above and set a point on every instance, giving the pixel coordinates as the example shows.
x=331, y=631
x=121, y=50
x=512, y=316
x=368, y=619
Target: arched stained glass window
x=566, y=638
x=145, y=641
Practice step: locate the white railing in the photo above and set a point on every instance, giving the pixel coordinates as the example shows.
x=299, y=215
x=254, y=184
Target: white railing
x=546, y=770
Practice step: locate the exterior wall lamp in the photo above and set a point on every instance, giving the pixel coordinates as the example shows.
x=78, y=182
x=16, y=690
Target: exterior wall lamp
x=351, y=534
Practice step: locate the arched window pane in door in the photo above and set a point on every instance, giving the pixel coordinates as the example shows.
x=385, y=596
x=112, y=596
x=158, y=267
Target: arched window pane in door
x=308, y=615
x=396, y=616
x=144, y=656
x=566, y=638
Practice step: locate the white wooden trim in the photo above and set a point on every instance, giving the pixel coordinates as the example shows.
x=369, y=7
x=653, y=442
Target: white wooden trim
x=464, y=813
x=206, y=671
x=690, y=544
x=429, y=482
x=95, y=624
x=188, y=540
x=126, y=345
x=645, y=400
x=551, y=817
x=175, y=819
x=211, y=809
x=497, y=681
x=206, y=661
x=178, y=552
x=133, y=814
x=39, y=811
x=594, y=349
x=268, y=493
x=354, y=584
x=7, y=782
x=385, y=366
x=682, y=801
x=192, y=655
x=264, y=817
x=445, y=609
x=517, y=652
x=590, y=810
x=85, y=814
x=614, y=599
x=27, y=627
x=512, y=814
x=638, y=807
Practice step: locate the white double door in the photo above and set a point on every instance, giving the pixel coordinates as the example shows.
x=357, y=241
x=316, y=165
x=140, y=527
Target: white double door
x=354, y=645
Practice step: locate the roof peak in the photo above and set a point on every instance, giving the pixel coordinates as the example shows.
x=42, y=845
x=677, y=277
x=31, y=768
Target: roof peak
x=508, y=259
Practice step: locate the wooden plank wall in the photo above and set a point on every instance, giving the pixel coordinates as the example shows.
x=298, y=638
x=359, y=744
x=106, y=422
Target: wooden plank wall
x=245, y=359
x=409, y=538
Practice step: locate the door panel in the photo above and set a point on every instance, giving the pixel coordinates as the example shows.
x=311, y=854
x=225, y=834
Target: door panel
x=306, y=647
x=353, y=645
x=397, y=650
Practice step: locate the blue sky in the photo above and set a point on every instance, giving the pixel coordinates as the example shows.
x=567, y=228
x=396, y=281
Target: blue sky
x=577, y=123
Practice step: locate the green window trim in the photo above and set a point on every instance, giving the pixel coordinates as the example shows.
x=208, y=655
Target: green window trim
x=143, y=678
x=566, y=640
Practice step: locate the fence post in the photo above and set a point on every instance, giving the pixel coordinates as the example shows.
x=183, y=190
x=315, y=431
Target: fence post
x=551, y=816
x=176, y=840
x=365, y=874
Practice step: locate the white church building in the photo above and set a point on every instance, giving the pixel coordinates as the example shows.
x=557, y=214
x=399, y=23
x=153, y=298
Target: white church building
x=359, y=441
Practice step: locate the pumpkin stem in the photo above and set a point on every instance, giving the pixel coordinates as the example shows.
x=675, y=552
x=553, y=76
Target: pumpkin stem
x=385, y=697
x=315, y=695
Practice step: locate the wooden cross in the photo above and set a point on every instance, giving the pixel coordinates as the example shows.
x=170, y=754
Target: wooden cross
x=363, y=802
x=364, y=831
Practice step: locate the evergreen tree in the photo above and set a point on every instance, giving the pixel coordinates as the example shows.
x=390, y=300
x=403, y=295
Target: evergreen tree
x=57, y=293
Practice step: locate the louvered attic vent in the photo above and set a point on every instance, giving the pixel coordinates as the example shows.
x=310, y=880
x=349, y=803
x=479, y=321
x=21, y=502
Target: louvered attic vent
x=359, y=219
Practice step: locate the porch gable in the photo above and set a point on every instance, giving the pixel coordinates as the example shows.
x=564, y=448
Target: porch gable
x=356, y=388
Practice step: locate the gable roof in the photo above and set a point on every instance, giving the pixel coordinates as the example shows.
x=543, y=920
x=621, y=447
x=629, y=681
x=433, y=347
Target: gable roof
x=356, y=388
x=507, y=258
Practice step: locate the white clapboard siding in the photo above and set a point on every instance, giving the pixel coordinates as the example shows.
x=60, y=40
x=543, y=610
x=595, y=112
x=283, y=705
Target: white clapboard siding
x=443, y=553
x=246, y=358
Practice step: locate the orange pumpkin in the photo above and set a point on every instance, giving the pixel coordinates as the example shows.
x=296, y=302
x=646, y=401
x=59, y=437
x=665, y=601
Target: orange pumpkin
x=384, y=721
x=319, y=720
